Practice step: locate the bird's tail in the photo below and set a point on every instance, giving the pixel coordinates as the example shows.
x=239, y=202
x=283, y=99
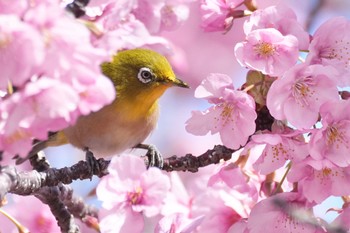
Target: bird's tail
x=55, y=139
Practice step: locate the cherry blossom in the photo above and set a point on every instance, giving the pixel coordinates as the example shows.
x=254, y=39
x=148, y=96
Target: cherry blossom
x=224, y=173
x=161, y=15
x=177, y=223
x=221, y=212
x=17, y=37
x=130, y=33
x=279, y=148
x=281, y=18
x=216, y=14
x=55, y=84
x=10, y=7
x=268, y=51
x=329, y=47
x=299, y=94
x=232, y=109
x=178, y=200
x=319, y=179
x=129, y=192
x=279, y=213
x=43, y=105
x=240, y=226
x=173, y=14
x=39, y=220
x=332, y=141
x=342, y=221
x=50, y=63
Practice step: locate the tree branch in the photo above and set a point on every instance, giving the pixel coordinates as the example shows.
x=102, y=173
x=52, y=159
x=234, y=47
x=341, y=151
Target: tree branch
x=191, y=163
x=27, y=183
x=65, y=220
x=48, y=184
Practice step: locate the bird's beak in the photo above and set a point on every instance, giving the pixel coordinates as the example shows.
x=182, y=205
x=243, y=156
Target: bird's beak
x=180, y=83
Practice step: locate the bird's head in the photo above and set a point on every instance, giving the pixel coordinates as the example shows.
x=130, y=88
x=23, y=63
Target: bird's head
x=141, y=75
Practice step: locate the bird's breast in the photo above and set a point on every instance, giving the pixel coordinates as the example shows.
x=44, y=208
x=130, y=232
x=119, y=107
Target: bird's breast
x=112, y=129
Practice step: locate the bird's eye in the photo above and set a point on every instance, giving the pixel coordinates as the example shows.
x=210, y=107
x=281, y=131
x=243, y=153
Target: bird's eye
x=145, y=75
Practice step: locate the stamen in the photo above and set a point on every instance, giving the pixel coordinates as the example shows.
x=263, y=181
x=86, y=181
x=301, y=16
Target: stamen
x=135, y=197
x=264, y=49
x=302, y=90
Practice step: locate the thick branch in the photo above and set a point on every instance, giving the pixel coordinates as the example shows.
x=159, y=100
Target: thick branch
x=60, y=200
x=26, y=183
x=65, y=220
x=191, y=163
x=76, y=205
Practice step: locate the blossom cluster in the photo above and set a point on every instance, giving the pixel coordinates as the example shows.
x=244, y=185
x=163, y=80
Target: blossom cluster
x=280, y=169
x=50, y=61
x=48, y=77
x=309, y=139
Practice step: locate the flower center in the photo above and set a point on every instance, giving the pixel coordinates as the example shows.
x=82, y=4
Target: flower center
x=279, y=152
x=339, y=51
x=226, y=113
x=264, y=49
x=301, y=90
x=5, y=40
x=336, y=137
x=327, y=173
x=43, y=223
x=18, y=135
x=135, y=197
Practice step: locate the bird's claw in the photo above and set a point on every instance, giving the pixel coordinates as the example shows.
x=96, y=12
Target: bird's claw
x=155, y=158
x=94, y=167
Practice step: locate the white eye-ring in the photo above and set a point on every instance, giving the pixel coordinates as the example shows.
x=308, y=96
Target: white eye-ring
x=145, y=75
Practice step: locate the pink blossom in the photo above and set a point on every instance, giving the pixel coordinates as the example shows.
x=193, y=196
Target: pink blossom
x=229, y=174
x=278, y=214
x=71, y=57
x=298, y=95
x=22, y=51
x=268, y=51
x=161, y=15
x=281, y=18
x=149, y=13
x=235, y=177
x=57, y=73
x=114, y=13
x=279, y=148
x=94, y=3
x=329, y=47
x=232, y=109
x=221, y=212
x=40, y=219
x=43, y=105
x=13, y=7
x=342, y=221
x=319, y=179
x=128, y=34
x=239, y=227
x=129, y=192
x=178, y=200
x=177, y=223
x=332, y=141
x=216, y=14
x=130, y=24
x=173, y=15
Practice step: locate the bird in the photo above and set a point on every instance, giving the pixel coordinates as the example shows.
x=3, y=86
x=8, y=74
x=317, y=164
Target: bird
x=140, y=77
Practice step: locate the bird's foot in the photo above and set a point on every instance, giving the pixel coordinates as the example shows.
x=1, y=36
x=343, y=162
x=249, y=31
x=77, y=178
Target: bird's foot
x=94, y=167
x=155, y=158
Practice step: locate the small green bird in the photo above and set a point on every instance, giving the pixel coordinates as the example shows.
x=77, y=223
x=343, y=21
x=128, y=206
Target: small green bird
x=140, y=77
